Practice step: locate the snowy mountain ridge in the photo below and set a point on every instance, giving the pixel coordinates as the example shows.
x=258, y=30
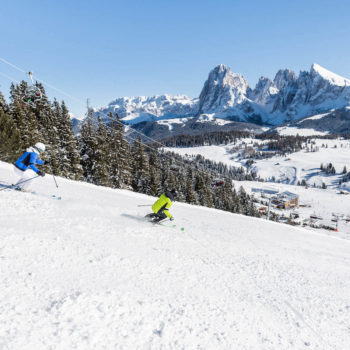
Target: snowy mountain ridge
x=227, y=95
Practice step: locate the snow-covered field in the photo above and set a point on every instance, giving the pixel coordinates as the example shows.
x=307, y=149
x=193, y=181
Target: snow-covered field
x=294, y=131
x=306, y=165
x=87, y=272
x=290, y=169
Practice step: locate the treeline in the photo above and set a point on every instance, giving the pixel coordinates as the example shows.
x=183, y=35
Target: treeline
x=22, y=126
x=207, y=139
x=283, y=144
x=101, y=155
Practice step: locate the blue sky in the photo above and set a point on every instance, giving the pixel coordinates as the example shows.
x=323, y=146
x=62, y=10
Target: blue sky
x=107, y=49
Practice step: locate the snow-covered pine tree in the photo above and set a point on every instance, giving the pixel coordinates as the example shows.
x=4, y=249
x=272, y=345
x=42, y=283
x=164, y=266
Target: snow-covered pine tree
x=224, y=194
x=57, y=155
x=3, y=104
x=9, y=138
x=191, y=196
x=140, y=182
x=236, y=204
x=202, y=188
x=71, y=166
x=88, y=146
x=154, y=170
x=114, y=143
x=24, y=117
x=44, y=115
x=120, y=170
x=101, y=166
x=244, y=200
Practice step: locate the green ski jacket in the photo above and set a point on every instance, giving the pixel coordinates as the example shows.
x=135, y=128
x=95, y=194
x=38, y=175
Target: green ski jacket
x=162, y=204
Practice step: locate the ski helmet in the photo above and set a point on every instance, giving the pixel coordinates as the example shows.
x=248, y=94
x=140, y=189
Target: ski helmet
x=174, y=192
x=40, y=147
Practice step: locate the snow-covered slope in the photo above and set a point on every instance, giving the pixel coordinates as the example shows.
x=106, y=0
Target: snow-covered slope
x=88, y=273
x=335, y=121
x=286, y=98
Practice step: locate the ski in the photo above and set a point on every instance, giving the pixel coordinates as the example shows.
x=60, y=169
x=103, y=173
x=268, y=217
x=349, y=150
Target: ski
x=164, y=224
x=161, y=223
x=52, y=196
x=12, y=187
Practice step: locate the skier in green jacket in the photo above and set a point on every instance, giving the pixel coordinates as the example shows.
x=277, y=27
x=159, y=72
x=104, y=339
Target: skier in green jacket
x=161, y=206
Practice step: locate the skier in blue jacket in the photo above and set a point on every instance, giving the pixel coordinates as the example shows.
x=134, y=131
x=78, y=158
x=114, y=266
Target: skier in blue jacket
x=25, y=166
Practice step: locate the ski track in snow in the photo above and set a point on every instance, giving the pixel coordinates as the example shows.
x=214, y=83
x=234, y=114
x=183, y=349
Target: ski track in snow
x=83, y=273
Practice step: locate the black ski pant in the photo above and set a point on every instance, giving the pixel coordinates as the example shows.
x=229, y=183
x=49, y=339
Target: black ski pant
x=156, y=217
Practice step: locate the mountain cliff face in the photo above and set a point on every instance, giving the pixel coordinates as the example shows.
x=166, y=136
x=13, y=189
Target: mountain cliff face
x=222, y=91
x=227, y=95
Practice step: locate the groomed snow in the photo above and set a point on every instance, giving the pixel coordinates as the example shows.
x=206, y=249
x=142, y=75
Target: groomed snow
x=87, y=273
x=293, y=131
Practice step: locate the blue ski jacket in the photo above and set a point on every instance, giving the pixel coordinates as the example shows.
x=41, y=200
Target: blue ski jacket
x=28, y=160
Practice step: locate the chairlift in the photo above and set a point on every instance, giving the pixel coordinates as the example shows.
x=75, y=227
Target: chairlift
x=175, y=168
x=217, y=183
x=33, y=94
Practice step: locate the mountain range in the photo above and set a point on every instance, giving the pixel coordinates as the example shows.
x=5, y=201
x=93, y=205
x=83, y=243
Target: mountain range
x=228, y=102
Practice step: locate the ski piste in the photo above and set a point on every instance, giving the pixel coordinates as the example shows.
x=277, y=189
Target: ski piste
x=13, y=187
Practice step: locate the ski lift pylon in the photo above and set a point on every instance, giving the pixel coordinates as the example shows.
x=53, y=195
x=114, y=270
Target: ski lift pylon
x=32, y=94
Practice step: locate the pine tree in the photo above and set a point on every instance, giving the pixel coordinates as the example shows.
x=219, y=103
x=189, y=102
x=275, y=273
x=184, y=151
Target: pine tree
x=88, y=148
x=190, y=194
x=236, y=204
x=140, y=182
x=101, y=165
x=71, y=166
x=24, y=117
x=244, y=200
x=56, y=156
x=155, y=181
x=9, y=138
x=202, y=190
x=3, y=104
x=124, y=156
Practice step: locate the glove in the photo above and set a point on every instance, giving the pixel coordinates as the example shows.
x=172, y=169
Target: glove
x=172, y=218
x=41, y=173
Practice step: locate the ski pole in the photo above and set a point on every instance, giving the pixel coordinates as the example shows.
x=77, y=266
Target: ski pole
x=54, y=179
x=12, y=186
x=53, y=176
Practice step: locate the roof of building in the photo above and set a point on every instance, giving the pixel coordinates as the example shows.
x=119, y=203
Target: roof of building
x=286, y=195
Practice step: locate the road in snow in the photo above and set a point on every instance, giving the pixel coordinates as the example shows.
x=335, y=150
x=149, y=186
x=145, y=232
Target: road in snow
x=86, y=273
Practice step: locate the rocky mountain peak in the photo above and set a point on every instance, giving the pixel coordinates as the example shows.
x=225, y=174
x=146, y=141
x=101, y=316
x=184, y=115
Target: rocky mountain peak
x=283, y=78
x=264, y=90
x=222, y=89
x=335, y=79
